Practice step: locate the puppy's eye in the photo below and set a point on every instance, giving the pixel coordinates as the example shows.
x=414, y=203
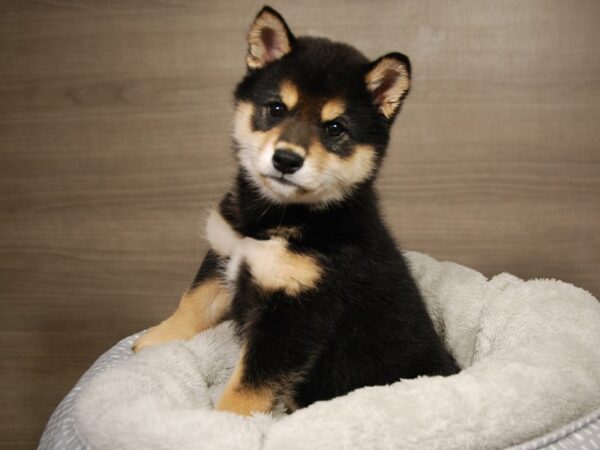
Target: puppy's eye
x=334, y=129
x=277, y=109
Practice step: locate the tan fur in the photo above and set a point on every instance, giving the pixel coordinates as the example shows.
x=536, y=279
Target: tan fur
x=244, y=400
x=332, y=109
x=358, y=166
x=338, y=173
x=293, y=147
x=388, y=100
x=258, y=55
x=274, y=267
x=289, y=94
x=200, y=308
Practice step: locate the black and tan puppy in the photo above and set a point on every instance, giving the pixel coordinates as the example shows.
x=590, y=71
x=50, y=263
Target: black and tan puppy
x=300, y=259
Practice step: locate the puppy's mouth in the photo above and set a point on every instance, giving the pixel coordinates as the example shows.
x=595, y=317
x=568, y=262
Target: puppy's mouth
x=282, y=180
x=283, y=188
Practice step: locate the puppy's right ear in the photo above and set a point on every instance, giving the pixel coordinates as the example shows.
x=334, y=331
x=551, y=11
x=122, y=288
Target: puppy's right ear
x=269, y=39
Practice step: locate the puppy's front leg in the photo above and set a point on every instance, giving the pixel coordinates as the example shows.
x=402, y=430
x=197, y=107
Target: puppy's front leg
x=207, y=302
x=274, y=266
x=201, y=307
x=242, y=398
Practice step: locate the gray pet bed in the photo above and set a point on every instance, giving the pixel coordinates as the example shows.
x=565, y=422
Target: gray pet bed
x=531, y=379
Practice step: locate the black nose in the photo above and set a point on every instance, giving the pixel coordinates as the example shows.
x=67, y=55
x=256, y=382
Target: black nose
x=287, y=161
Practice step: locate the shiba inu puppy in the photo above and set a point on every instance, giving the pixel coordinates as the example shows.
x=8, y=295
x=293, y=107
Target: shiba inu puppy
x=300, y=259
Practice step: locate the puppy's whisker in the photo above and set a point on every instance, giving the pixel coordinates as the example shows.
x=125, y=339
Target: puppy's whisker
x=265, y=211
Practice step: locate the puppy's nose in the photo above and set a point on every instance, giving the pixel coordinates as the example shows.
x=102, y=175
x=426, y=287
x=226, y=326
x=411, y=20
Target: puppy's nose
x=287, y=161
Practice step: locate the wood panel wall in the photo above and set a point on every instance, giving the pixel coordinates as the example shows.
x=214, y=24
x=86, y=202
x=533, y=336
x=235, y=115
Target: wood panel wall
x=114, y=122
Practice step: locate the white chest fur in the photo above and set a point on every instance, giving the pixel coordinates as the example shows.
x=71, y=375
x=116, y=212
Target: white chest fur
x=270, y=262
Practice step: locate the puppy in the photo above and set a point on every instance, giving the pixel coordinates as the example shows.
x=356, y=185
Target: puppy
x=300, y=259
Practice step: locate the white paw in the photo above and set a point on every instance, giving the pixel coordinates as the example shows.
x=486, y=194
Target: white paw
x=256, y=253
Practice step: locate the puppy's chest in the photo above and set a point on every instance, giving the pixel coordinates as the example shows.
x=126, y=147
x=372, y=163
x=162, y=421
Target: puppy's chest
x=276, y=262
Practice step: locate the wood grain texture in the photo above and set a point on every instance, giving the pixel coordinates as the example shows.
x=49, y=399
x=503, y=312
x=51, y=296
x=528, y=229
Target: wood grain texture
x=114, y=124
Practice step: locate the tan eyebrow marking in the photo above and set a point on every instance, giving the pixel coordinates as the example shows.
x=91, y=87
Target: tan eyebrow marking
x=333, y=109
x=289, y=94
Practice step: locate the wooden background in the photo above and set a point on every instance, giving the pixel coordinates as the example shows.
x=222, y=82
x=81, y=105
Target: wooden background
x=114, y=122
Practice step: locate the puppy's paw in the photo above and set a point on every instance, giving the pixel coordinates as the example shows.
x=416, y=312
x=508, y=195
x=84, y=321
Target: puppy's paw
x=144, y=341
x=254, y=252
x=273, y=266
x=245, y=402
x=166, y=331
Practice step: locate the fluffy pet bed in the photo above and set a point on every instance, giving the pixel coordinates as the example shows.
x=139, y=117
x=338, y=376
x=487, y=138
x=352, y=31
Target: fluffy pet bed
x=530, y=353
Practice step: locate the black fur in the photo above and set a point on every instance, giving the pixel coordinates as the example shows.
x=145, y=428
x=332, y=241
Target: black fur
x=366, y=324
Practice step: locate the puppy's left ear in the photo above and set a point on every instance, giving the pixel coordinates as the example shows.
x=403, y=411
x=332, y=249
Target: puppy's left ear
x=269, y=39
x=388, y=81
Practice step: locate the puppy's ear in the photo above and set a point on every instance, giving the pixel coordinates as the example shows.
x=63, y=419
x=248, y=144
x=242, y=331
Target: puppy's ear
x=269, y=39
x=388, y=81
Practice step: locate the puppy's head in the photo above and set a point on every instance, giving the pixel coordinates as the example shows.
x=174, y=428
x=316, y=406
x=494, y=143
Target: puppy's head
x=312, y=116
